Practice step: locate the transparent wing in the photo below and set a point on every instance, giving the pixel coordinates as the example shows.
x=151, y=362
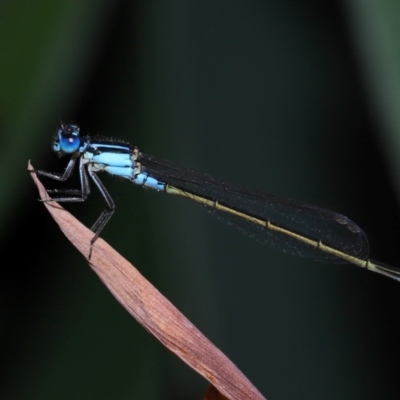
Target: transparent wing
x=332, y=229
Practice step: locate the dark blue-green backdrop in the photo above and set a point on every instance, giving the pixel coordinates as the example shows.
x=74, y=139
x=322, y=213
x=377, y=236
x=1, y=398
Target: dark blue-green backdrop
x=297, y=98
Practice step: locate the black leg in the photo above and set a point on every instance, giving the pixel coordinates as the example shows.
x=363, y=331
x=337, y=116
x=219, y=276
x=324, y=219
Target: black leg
x=73, y=195
x=105, y=216
x=60, y=177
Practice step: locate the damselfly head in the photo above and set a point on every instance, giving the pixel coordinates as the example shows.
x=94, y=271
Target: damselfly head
x=67, y=139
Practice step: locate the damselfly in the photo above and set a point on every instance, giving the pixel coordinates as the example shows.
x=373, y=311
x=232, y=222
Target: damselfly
x=289, y=225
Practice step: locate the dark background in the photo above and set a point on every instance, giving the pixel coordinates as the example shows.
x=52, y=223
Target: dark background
x=297, y=98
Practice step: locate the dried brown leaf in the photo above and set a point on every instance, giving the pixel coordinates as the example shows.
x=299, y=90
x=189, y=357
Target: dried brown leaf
x=213, y=394
x=151, y=309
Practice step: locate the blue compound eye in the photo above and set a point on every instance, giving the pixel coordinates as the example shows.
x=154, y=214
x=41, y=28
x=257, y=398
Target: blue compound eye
x=69, y=145
x=67, y=139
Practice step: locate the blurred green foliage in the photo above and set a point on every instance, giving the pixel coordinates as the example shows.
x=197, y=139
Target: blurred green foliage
x=294, y=98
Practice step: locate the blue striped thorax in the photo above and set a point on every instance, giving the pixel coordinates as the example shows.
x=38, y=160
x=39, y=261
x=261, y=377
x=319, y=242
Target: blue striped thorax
x=114, y=157
x=118, y=158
